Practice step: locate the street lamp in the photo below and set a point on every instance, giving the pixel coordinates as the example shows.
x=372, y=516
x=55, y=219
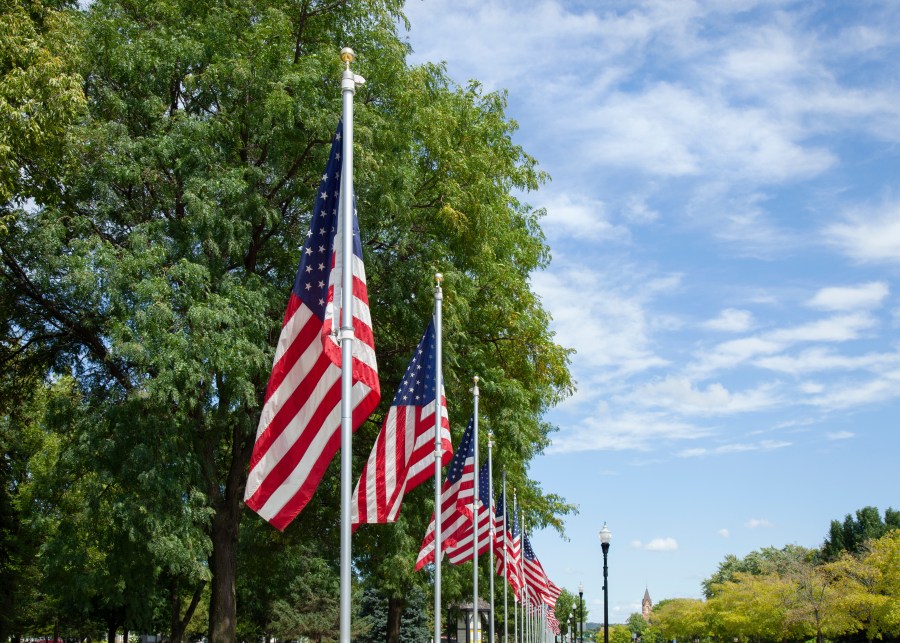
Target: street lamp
x=581, y=609
x=605, y=537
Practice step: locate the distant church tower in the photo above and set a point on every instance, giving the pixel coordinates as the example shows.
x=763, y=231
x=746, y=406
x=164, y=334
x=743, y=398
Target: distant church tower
x=646, y=606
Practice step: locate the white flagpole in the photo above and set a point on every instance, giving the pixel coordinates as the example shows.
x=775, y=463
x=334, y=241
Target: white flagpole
x=349, y=81
x=521, y=589
x=505, y=563
x=475, y=621
x=525, y=597
x=491, y=532
x=438, y=396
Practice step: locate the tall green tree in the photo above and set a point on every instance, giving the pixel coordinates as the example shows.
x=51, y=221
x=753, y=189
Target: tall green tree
x=157, y=277
x=856, y=530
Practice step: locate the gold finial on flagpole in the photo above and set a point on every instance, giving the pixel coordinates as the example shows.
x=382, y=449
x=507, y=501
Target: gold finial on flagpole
x=347, y=56
x=438, y=277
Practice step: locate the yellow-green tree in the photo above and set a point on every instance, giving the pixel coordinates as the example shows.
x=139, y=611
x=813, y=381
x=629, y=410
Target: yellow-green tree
x=815, y=603
x=883, y=558
x=749, y=606
x=682, y=618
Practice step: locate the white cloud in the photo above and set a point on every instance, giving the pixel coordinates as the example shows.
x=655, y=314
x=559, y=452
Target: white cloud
x=857, y=393
x=757, y=523
x=604, y=315
x=662, y=544
x=580, y=219
x=733, y=353
x=657, y=544
x=637, y=430
x=683, y=396
x=724, y=533
x=870, y=295
x=736, y=447
x=840, y=435
x=868, y=235
x=817, y=360
x=731, y=320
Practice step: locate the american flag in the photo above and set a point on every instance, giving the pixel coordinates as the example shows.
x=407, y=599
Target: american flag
x=299, y=429
x=552, y=621
x=465, y=543
x=535, y=577
x=553, y=592
x=511, y=553
x=403, y=455
x=456, y=494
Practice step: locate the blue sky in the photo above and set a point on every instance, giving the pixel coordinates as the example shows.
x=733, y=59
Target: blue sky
x=724, y=219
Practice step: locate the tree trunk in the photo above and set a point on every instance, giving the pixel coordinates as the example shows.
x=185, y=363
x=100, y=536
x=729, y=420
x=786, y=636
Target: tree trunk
x=222, y=564
x=226, y=495
x=395, y=611
x=179, y=623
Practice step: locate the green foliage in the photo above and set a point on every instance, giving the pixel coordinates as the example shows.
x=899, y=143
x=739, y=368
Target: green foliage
x=636, y=623
x=617, y=634
x=853, y=534
x=768, y=560
x=40, y=99
x=681, y=618
x=415, y=616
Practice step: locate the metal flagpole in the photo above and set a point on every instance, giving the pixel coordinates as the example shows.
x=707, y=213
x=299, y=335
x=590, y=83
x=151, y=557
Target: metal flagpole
x=349, y=80
x=491, y=533
x=521, y=589
x=505, y=563
x=438, y=396
x=523, y=579
x=475, y=621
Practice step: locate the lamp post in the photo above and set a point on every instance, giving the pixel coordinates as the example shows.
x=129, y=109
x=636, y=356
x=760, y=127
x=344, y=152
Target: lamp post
x=605, y=537
x=581, y=610
x=569, y=628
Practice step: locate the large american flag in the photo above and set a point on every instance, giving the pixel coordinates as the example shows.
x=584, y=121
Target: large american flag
x=299, y=429
x=535, y=577
x=403, y=455
x=465, y=542
x=456, y=495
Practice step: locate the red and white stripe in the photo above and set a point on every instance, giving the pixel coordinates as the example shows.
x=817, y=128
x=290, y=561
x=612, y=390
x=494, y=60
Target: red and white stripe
x=402, y=458
x=299, y=428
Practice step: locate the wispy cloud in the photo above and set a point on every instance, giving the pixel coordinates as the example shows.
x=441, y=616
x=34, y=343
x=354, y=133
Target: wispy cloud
x=758, y=523
x=731, y=320
x=736, y=447
x=685, y=397
x=840, y=435
x=841, y=298
x=868, y=234
x=657, y=544
x=724, y=533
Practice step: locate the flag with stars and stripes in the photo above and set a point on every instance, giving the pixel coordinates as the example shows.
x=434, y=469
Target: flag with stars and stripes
x=552, y=621
x=510, y=561
x=465, y=542
x=456, y=493
x=299, y=428
x=403, y=455
x=535, y=577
